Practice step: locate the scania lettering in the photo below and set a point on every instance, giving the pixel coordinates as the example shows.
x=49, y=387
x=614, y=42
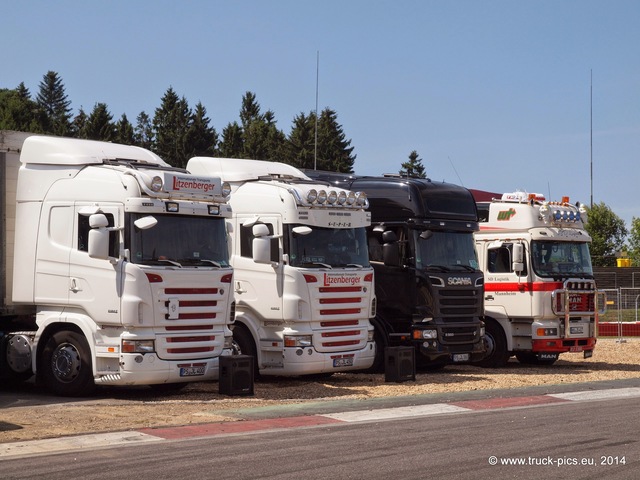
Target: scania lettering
x=303, y=286
x=428, y=284
x=540, y=294
x=116, y=267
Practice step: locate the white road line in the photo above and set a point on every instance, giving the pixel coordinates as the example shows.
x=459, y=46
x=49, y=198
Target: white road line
x=76, y=443
x=400, y=412
x=599, y=394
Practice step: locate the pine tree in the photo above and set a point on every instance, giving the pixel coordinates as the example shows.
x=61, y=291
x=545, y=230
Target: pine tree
x=170, y=126
x=143, y=132
x=414, y=167
x=79, y=125
x=52, y=99
x=19, y=112
x=201, y=138
x=301, y=142
x=99, y=125
x=124, y=131
x=232, y=142
x=334, y=150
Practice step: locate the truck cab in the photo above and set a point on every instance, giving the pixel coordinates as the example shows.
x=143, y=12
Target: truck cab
x=428, y=284
x=304, y=286
x=541, y=298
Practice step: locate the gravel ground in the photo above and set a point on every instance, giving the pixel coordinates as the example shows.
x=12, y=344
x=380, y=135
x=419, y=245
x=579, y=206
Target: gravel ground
x=28, y=414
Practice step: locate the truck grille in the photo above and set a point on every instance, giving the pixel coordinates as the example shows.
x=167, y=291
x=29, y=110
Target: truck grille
x=456, y=303
x=340, y=314
x=193, y=319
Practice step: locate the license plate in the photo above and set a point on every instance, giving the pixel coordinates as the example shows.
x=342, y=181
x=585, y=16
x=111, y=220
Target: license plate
x=191, y=371
x=588, y=353
x=343, y=362
x=576, y=349
x=460, y=357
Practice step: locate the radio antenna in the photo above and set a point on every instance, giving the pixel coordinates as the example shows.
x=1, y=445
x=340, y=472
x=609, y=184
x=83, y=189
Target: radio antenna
x=315, y=146
x=454, y=169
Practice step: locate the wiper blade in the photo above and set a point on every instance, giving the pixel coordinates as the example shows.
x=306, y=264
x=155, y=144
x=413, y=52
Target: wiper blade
x=465, y=267
x=212, y=262
x=172, y=262
x=439, y=268
x=316, y=264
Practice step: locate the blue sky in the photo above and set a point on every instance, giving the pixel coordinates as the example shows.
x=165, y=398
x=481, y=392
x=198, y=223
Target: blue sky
x=492, y=94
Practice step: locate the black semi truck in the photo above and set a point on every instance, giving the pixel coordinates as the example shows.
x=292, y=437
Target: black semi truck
x=428, y=286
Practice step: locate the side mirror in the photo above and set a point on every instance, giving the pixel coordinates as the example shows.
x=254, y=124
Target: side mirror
x=98, y=236
x=261, y=247
x=518, y=257
x=390, y=249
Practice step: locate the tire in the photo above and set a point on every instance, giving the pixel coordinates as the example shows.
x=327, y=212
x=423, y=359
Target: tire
x=378, y=361
x=530, y=358
x=9, y=376
x=243, y=344
x=66, y=365
x=496, y=344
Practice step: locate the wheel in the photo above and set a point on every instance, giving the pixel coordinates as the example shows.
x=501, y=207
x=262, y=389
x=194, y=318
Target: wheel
x=530, y=358
x=496, y=343
x=243, y=344
x=15, y=360
x=66, y=365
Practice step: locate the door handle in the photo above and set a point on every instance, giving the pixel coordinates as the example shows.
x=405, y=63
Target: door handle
x=489, y=297
x=74, y=286
x=239, y=288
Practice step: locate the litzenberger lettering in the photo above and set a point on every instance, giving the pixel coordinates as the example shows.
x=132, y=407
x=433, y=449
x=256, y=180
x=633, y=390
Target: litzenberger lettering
x=341, y=280
x=191, y=184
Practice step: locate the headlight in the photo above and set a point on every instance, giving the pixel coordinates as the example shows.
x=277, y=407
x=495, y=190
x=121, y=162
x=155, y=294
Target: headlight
x=547, y=332
x=429, y=334
x=226, y=189
x=138, y=346
x=370, y=336
x=156, y=184
x=425, y=334
x=297, y=341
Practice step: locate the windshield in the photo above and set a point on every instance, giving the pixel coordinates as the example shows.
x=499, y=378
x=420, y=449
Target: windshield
x=553, y=259
x=445, y=251
x=179, y=241
x=329, y=247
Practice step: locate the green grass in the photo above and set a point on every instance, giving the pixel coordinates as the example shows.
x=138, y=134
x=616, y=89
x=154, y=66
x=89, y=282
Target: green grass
x=626, y=315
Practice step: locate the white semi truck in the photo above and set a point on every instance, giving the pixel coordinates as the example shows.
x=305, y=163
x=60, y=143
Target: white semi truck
x=540, y=294
x=304, y=288
x=115, y=267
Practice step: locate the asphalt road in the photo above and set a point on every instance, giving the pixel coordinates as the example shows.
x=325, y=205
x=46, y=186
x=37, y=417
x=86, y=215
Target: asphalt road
x=560, y=439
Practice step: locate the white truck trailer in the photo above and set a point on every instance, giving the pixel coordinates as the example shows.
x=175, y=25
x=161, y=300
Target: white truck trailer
x=540, y=294
x=304, y=288
x=104, y=276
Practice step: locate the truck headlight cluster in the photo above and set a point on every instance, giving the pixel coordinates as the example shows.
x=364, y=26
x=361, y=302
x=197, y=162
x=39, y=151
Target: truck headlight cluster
x=138, y=346
x=425, y=334
x=297, y=341
x=547, y=332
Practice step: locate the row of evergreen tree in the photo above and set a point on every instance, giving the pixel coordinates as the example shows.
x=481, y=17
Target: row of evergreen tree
x=177, y=132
